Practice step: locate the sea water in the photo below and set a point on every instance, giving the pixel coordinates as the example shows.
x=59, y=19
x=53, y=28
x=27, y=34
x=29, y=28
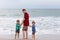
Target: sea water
x=47, y=20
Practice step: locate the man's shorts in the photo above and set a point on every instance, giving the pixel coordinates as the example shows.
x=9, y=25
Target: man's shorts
x=25, y=28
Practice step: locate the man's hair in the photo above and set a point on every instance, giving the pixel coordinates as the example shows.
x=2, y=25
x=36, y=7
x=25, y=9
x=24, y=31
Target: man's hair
x=23, y=9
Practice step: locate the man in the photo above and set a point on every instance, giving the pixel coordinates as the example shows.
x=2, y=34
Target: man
x=25, y=24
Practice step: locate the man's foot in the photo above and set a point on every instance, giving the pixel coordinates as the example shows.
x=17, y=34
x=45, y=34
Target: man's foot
x=26, y=38
x=14, y=39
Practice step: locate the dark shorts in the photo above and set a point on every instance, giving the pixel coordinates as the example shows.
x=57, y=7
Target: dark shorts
x=33, y=32
x=17, y=31
x=25, y=28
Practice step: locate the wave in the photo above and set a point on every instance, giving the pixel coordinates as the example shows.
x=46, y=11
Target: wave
x=44, y=25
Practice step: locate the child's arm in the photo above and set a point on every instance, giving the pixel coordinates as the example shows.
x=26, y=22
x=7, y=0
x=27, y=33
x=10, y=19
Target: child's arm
x=30, y=26
x=21, y=24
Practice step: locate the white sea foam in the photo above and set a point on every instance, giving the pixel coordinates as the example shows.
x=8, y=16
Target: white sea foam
x=44, y=25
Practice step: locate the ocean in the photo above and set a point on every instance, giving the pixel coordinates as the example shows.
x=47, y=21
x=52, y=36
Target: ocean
x=32, y=12
x=47, y=20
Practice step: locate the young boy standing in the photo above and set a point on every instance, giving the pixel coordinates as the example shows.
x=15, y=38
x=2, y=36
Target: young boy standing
x=33, y=30
x=18, y=26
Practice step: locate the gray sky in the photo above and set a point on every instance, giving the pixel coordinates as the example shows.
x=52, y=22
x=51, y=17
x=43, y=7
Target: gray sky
x=42, y=4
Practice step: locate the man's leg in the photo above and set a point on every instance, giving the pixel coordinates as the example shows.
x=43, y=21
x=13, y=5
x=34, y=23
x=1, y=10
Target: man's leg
x=23, y=35
x=26, y=35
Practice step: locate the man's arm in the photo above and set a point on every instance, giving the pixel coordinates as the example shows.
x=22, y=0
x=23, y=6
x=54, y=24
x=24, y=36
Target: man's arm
x=22, y=21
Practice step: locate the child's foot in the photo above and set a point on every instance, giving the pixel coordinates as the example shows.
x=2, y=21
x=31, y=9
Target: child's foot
x=23, y=39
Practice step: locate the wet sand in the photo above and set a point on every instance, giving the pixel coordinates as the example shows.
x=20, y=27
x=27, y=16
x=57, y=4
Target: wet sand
x=38, y=37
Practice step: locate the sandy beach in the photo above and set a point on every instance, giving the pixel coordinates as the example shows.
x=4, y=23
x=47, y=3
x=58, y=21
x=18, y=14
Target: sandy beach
x=40, y=16
x=39, y=37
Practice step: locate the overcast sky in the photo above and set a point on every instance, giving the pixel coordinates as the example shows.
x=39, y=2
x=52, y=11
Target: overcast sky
x=41, y=4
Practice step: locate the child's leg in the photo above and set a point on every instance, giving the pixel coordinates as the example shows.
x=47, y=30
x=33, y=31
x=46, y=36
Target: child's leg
x=34, y=36
x=15, y=35
x=18, y=35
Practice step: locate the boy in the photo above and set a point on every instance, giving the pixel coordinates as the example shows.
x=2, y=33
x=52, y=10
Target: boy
x=33, y=30
x=18, y=26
